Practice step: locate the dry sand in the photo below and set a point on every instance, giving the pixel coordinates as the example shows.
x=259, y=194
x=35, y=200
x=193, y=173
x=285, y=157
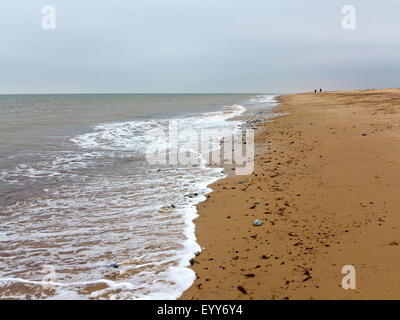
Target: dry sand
x=327, y=180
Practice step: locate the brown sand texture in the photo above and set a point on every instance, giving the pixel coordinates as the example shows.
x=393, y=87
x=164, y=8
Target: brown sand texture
x=326, y=185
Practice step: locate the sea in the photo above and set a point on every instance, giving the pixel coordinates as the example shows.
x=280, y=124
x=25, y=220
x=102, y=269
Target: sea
x=83, y=213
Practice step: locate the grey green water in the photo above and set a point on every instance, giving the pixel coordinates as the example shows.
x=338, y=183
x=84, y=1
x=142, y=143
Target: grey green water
x=80, y=206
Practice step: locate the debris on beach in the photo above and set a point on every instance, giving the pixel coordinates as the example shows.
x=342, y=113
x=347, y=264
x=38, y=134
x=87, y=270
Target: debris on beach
x=257, y=223
x=242, y=290
x=191, y=195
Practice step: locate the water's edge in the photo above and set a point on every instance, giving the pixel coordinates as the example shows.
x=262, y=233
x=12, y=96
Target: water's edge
x=252, y=121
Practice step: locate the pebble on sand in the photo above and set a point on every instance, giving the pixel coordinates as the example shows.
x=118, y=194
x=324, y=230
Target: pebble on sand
x=257, y=223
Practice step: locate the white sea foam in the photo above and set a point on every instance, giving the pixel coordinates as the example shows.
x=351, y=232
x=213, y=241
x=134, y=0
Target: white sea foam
x=271, y=99
x=123, y=217
x=132, y=135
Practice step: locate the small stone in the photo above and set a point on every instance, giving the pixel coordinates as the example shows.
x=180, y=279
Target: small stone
x=257, y=223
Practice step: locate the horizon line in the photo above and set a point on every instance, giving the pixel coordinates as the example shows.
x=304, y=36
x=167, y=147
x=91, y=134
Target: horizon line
x=140, y=93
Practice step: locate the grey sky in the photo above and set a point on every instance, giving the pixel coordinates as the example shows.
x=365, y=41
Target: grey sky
x=197, y=46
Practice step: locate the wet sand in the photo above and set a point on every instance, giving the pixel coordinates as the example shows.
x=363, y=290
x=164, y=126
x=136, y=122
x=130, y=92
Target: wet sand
x=326, y=186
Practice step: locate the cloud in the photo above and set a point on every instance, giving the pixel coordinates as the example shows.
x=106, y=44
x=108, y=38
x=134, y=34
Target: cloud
x=197, y=46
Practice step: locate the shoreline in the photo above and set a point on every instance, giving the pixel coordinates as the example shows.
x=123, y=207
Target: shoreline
x=324, y=185
x=159, y=231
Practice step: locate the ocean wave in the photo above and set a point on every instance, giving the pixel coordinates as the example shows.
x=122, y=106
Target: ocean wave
x=135, y=216
x=133, y=135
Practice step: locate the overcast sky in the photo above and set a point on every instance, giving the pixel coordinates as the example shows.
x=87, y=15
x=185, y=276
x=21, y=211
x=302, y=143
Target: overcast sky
x=197, y=46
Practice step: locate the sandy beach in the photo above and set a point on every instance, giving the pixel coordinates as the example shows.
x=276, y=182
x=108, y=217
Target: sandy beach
x=325, y=185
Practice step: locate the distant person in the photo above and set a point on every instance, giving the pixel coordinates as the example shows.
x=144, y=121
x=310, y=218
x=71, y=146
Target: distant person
x=315, y=90
x=320, y=90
